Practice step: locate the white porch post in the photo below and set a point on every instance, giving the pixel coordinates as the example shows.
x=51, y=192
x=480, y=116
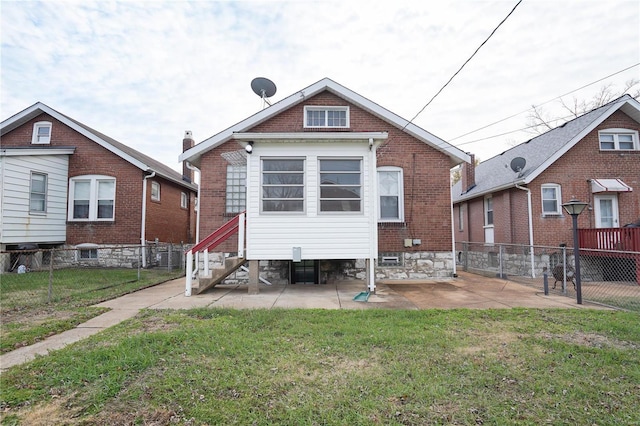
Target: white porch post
x=187, y=290
x=241, y=235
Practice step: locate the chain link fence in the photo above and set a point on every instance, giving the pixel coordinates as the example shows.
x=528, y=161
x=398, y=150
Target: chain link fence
x=83, y=275
x=607, y=277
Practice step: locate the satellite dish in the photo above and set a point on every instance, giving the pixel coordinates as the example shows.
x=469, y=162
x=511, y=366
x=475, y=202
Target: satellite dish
x=517, y=164
x=264, y=88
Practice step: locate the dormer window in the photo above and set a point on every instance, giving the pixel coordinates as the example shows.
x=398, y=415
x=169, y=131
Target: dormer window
x=326, y=117
x=618, y=140
x=41, y=133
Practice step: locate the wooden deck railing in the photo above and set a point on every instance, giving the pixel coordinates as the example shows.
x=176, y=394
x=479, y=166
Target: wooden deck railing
x=623, y=239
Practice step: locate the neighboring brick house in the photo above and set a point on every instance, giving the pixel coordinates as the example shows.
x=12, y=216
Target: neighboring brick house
x=65, y=184
x=594, y=158
x=334, y=185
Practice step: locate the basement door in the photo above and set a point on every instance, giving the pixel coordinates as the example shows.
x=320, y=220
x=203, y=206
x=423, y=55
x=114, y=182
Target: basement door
x=305, y=272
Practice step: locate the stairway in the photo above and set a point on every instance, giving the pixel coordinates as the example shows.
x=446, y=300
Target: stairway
x=231, y=264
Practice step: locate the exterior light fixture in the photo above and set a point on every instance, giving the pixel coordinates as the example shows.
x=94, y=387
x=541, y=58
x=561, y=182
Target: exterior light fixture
x=249, y=147
x=574, y=208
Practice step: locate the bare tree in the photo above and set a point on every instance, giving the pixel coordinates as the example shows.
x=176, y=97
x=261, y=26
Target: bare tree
x=540, y=120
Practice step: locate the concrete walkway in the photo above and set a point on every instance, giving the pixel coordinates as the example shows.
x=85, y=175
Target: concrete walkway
x=466, y=291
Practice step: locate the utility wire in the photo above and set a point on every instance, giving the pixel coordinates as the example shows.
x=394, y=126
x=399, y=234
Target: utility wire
x=565, y=118
x=463, y=65
x=536, y=106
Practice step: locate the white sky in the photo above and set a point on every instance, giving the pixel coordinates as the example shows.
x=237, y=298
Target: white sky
x=143, y=72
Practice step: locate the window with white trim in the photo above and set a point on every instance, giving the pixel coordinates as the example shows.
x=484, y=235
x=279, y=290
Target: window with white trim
x=236, y=200
x=92, y=198
x=391, y=194
x=155, y=191
x=488, y=211
x=326, y=117
x=41, y=133
x=551, y=197
x=38, y=193
x=282, y=185
x=341, y=185
x=618, y=140
x=184, y=200
x=460, y=217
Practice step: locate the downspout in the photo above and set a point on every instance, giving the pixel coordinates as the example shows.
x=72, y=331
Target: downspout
x=453, y=233
x=374, y=216
x=191, y=167
x=143, y=226
x=533, y=271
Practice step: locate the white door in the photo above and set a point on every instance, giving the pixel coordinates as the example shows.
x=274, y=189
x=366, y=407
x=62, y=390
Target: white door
x=488, y=219
x=606, y=210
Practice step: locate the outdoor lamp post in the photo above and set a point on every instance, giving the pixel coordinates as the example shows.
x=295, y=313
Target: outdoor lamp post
x=574, y=208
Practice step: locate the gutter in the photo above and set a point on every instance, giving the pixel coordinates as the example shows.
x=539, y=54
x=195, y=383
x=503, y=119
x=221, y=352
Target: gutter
x=143, y=225
x=533, y=272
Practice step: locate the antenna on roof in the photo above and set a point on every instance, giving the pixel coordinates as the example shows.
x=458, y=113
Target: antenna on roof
x=264, y=88
x=517, y=164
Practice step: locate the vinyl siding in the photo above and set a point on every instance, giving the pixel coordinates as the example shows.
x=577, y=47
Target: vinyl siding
x=319, y=235
x=18, y=224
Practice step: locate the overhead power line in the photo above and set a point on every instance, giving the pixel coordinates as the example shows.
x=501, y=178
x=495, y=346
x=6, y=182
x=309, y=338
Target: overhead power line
x=463, y=65
x=536, y=106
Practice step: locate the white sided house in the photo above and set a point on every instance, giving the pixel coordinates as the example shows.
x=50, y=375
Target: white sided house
x=313, y=190
x=33, y=195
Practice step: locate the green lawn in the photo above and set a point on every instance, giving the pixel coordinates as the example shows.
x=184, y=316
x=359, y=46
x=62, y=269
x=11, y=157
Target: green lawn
x=339, y=367
x=36, y=305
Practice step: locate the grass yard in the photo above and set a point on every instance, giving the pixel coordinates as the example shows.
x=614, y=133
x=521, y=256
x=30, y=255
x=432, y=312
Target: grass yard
x=342, y=367
x=32, y=309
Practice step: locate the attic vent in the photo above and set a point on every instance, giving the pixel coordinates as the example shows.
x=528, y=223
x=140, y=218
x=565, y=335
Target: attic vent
x=235, y=158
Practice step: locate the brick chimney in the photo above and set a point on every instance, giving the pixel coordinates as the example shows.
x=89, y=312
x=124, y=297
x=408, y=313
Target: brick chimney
x=468, y=174
x=187, y=143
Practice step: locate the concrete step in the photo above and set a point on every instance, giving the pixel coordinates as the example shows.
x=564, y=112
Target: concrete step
x=231, y=264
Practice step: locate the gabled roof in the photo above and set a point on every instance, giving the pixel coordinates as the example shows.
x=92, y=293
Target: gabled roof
x=540, y=152
x=138, y=159
x=193, y=155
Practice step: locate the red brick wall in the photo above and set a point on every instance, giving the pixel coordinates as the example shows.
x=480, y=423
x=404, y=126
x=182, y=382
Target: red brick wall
x=572, y=171
x=168, y=224
x=166, y=220
x=585, y=161
x=426, y=177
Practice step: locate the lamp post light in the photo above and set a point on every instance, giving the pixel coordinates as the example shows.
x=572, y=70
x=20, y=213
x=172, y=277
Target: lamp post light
x=574, y=208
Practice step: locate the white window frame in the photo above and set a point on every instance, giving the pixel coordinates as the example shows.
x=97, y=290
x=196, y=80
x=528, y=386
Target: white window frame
x=558, y=199
x=87, y=248
x=32, y=193
x=236, y=189
x=326, y=110
x=155, y=190
x=616, y=133
x=488, y=200
x=94, y=181
x=184, y=200
x=360, y=185
x=400, y=189
x=460, y=217
x=35, y=139
x=263, y=185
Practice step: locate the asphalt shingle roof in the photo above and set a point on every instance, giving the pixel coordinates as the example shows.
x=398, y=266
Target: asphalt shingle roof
x=496, y=173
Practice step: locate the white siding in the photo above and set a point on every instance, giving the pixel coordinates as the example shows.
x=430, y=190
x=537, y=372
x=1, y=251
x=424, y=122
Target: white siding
x=272, y=236
x=20, y=226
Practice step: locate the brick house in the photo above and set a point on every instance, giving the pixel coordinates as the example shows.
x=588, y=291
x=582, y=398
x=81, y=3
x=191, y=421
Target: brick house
x=65, y=184
x=334, y=186
x=516, y=197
